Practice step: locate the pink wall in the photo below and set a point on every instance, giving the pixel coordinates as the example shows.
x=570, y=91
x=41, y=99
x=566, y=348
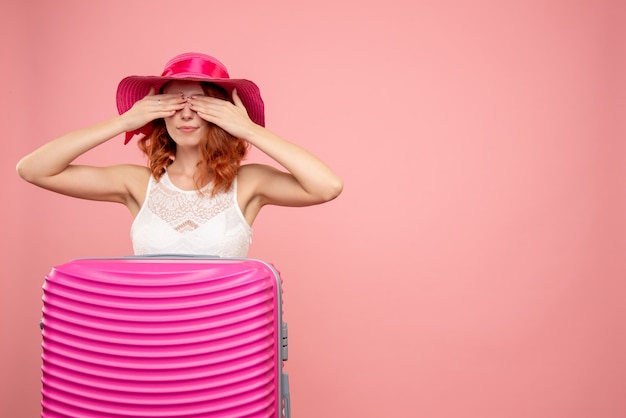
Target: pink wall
x=473, y=267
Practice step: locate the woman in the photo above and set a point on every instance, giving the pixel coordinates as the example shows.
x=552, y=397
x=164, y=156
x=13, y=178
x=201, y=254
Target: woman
x=195, y=197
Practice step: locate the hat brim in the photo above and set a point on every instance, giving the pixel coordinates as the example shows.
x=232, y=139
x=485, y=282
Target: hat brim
x=134, y=88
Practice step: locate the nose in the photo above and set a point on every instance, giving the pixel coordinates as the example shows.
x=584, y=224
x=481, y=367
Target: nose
x=186, y=113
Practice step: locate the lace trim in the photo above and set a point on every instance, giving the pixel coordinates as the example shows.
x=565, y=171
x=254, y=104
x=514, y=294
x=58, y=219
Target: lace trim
x=186, y=211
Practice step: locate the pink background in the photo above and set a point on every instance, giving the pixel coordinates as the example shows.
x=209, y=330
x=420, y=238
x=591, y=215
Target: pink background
x=474, y=265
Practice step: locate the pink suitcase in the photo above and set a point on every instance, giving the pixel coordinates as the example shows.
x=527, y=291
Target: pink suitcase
x=164, y=337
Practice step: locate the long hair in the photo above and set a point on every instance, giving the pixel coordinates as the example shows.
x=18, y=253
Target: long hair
x=221, y=152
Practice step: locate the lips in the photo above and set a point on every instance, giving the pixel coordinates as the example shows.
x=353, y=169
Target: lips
x=187, y=129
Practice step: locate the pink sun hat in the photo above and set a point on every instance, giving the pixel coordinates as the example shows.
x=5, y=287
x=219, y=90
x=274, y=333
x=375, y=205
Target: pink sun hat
x=190, y=66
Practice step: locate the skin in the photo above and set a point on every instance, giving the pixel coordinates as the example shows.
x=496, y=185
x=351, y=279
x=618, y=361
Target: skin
x=187, y=112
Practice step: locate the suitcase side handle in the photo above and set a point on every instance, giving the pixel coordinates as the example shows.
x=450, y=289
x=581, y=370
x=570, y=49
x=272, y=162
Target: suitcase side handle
x=284, y=342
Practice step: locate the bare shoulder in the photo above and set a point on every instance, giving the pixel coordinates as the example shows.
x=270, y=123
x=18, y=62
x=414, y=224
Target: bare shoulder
x=257, y=172
x=250, y=180
x=136, y=179
x=133, y=170
x=131, y=174
x=251, y=177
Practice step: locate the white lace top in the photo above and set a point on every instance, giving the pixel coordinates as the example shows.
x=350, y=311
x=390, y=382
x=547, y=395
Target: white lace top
x=176, y=221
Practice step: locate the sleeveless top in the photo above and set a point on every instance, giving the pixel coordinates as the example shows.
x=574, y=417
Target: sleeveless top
x=176, y=221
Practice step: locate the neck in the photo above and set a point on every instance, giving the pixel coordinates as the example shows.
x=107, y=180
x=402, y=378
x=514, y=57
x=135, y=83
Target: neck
x=185, y=162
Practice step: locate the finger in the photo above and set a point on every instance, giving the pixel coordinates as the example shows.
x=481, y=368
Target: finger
x=236, y=99
x=151, y=92
x=169, y=100
x=172, y=97
x=206, y=100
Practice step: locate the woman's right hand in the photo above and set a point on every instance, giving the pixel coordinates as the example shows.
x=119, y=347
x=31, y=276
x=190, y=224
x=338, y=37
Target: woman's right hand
x=52, y=166
x=151, y=107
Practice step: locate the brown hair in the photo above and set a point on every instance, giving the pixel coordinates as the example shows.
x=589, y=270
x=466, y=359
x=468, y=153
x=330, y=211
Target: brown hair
x=221, y=152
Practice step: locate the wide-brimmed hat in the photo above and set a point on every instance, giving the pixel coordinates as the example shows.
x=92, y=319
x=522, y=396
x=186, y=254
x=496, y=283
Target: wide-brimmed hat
x=190, y=66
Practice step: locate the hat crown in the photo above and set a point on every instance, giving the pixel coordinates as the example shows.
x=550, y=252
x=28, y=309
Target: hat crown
x=195, y=65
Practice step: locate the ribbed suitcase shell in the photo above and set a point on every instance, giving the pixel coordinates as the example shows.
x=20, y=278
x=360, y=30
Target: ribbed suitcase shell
x=162, y=337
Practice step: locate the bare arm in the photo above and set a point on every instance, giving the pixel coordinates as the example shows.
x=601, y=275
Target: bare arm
x=50, y=166
x=308, y=180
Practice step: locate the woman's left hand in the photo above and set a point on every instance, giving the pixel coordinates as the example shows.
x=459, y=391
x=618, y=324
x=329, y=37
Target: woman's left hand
x=233, y=118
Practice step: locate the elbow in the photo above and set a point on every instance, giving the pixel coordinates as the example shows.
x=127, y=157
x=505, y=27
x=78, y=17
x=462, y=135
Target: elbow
x=332, y=190
x=22, y=170
x=25, y=170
